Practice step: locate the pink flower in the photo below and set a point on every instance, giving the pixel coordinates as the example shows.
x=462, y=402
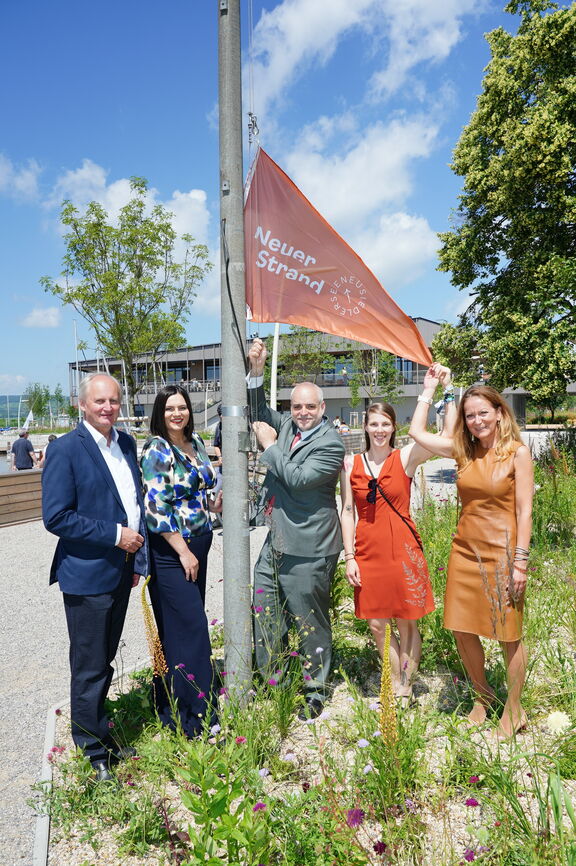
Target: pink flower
x=307, y=677
x=258, y=807
x=258, y=608
x=190, y=677
x=473, y=779
x=240, y=740
x=469, y=855
x=58, y=712
x=201, y=695
x=472, y=801
x=294, y=654
x=258, y=591
x=180, y=666
x=272, y=682
x=111, y=724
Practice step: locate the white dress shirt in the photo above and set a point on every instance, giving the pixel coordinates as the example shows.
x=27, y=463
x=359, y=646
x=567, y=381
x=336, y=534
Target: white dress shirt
x=122, y=475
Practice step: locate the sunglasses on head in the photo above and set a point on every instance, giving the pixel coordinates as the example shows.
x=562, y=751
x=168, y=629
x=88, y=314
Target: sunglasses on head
x=371, y=495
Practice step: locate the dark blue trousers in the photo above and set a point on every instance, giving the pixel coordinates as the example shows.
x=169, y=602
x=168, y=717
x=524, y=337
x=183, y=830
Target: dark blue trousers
x=183, y=629
x=95, y=624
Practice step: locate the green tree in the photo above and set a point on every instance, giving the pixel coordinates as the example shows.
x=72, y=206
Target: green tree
x=303, y=355
x=124, y=280
x=60, y=400
x=372, y=373
x=458, y=347
x=37, y=398
x=513, y=238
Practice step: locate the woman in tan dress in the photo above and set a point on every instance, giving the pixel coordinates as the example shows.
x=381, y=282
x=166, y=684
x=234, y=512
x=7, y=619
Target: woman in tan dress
x=488, y=561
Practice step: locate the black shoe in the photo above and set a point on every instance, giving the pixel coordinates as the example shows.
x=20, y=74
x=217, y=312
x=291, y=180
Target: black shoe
x=102, y=771
x=122, y=753
x=311, y=710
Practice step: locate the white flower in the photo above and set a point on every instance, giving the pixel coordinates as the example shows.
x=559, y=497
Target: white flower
x=215, y=729
x=290, y=756
x=319, y=650
x=367, y=769
x=264, y=771
x=558, y=722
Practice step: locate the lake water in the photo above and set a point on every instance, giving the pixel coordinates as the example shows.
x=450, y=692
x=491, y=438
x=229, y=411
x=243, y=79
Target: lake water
x=4, y=465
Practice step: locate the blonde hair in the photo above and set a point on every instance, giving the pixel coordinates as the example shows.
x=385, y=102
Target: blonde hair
x=464, y=444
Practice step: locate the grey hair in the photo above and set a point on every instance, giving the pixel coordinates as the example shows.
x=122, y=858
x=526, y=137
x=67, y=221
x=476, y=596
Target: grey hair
x=318, y=390
x=85, y=385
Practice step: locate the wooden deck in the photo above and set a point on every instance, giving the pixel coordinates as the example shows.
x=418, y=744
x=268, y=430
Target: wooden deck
x=20, y=496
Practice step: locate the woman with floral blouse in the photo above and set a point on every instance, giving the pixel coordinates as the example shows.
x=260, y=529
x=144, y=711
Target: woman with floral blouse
x=178, y=476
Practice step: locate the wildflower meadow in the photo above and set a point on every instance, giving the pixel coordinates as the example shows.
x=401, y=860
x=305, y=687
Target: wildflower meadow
x=367, y=782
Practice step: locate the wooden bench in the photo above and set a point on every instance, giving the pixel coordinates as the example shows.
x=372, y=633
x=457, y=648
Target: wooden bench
x=20, y=496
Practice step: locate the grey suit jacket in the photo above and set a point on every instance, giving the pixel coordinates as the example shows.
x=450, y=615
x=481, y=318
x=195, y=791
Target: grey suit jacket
x=300, y=486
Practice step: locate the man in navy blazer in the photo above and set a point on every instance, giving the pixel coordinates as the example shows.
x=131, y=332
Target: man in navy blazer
x=92, y=500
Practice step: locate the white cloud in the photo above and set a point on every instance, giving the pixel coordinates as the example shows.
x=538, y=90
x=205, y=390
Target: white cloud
x=298, y=34
x=295, y=35
x=42, y=317
x=12, y=384
x=20, y=182
x=398, y=250
x=418, y=31
x=375, y=172
x=90, y=183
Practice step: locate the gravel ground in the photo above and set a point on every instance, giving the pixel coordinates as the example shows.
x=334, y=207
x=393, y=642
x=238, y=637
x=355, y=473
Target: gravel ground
x=34, y=646
x=35, y=676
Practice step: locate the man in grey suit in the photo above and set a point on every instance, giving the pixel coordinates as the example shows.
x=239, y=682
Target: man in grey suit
x=303, y=454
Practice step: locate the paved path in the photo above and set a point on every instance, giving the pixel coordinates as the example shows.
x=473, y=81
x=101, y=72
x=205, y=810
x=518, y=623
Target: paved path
x=34, y=647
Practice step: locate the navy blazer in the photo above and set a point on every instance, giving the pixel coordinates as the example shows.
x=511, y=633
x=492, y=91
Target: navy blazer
x=82, y=506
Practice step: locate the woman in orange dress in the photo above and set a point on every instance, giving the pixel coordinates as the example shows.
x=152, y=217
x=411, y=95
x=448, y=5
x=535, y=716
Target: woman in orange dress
x=487, y=566
x=383, y=551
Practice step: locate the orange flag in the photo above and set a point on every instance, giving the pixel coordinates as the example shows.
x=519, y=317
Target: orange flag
x=299, y=271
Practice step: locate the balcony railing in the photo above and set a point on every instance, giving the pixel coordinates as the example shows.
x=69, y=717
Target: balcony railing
x=337, y=380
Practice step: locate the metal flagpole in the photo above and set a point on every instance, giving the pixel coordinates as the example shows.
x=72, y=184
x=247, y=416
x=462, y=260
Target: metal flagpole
x=274, y=369
x=235, y=440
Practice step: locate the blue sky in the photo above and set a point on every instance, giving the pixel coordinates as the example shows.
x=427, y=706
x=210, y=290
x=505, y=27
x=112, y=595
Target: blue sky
x=360, y=101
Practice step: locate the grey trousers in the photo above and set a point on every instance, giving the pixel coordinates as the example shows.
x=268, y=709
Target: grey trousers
x=294, y=590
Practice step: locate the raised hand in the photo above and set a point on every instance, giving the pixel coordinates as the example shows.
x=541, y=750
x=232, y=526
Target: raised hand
x=257, y=355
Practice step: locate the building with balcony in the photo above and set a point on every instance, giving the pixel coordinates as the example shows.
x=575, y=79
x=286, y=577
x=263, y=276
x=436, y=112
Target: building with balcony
x=198, y=369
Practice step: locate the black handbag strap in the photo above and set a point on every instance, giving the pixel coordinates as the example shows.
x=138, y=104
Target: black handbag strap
x=401, y=516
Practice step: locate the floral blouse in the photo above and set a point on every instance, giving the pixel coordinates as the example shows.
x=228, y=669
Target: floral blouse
x=175, y=491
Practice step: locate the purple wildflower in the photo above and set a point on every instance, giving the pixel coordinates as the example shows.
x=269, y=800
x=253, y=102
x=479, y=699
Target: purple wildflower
x=380, y=847
x=473, y=780
x=362, y=743
x=469, y=855
x=258, y=591
x=180, y=666
x=258, y=608
x=272, y=682
x=472, y=801
x=354, y=817
x=190, y=677
x=201, y=695
x=258, y=807
x=263, y=772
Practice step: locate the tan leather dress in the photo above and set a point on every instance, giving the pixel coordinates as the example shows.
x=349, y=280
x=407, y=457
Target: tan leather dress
x=480, y=564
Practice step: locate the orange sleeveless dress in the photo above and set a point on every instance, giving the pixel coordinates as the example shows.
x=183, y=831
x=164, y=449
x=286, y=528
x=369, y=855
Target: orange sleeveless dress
x=393, y=570
x=480, y=564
